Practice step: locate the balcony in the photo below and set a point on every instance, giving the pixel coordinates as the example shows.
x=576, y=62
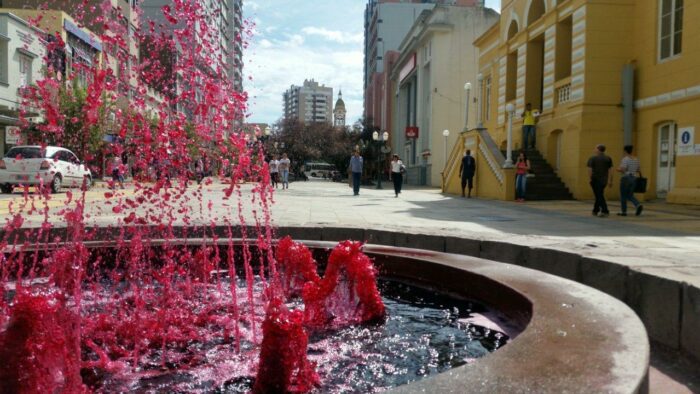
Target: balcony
x=562, y=90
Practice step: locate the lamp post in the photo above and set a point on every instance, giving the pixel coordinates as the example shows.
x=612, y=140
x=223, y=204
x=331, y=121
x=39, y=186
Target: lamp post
x=510, y=108
x=480, y=86
x=445, y=133
x=380, y=139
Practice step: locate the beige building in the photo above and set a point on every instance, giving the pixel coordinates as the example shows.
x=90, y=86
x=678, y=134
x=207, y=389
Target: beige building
x=437, y=60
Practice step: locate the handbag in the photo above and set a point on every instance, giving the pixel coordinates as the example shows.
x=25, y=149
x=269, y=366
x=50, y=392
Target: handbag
x=640, y=185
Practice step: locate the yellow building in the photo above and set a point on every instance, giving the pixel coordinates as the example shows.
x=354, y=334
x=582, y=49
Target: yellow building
x=600, y=72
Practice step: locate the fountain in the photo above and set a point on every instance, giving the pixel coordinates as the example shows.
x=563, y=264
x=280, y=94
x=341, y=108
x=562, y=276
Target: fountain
x=163, y=299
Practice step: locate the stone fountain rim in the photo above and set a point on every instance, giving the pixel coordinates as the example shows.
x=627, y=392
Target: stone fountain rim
x=555, y=347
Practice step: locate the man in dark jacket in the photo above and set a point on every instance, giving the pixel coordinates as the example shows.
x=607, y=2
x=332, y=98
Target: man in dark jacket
x=466, y=171
x=600, y=171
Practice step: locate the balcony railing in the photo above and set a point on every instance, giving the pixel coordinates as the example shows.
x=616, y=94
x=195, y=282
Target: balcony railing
x=563, y=92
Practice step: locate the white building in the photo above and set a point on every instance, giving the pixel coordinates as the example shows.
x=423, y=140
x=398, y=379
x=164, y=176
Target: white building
x=22, y=50
x=309, y=103
x=437, y=59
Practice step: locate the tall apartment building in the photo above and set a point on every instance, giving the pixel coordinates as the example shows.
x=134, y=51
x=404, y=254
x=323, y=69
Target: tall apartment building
x=309, y=103
x=236, y=45
x=386, y=25
x=223, y=42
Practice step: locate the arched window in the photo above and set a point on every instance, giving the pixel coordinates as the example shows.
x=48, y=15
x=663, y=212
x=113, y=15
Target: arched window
x=536, y=11
x=512, y=29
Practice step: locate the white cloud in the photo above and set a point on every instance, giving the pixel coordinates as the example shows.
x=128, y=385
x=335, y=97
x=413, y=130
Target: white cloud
x=289, y=46
x=334, y=35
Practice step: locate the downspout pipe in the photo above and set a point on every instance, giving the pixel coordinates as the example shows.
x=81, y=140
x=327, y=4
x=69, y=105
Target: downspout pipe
x=627, y=102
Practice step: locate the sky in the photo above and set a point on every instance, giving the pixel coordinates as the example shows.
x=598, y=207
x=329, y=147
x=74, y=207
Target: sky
x=294, y=40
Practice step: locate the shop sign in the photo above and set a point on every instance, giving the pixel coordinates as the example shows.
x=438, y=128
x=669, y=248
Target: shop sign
x=686, y=142
x=13, y=135
x=407, y=68
x=411, y=132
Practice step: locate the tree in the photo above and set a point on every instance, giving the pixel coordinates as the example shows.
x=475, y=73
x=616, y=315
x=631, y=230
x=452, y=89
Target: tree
x=314, y=142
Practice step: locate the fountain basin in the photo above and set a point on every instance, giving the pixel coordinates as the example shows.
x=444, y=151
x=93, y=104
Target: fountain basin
x=569, y=338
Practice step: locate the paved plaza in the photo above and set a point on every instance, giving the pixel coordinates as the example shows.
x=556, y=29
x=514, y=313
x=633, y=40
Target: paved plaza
x=663, y=243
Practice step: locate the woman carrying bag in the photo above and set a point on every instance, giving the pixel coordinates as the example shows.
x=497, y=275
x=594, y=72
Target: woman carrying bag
x=629, y=167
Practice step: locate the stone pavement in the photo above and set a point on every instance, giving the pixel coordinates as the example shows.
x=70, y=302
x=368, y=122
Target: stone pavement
x=651, y=262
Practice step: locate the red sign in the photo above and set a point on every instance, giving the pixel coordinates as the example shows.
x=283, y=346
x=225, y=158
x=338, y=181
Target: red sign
x=407, y=68
x=412, y=132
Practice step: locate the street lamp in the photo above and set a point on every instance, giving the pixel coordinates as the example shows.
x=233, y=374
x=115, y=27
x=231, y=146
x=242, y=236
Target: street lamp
x=510, y=109
x=468, y=88
x=382, y=149
x=445, y=133
x=480, y=80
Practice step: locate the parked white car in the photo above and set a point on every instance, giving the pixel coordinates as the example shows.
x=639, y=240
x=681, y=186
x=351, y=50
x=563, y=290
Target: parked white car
x=51, y=166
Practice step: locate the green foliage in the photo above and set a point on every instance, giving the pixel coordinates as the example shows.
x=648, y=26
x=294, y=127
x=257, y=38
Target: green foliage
x=314, y=142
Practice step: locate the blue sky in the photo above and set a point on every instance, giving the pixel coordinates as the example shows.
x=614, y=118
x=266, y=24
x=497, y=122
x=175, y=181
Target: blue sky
x=295, y=40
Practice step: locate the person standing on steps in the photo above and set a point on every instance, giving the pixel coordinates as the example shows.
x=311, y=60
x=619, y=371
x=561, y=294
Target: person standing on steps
x=466, y=171
x=629, y=167
x=522, y=166
x=600, y=171
x=283, y=168
x=529, y=126
x=397, y=170
x=356, y=169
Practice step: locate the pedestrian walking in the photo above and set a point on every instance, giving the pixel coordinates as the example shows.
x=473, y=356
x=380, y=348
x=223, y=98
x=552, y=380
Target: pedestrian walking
x=530, y=118
x=117, y=172
x=199, y=170
x=629, y=167
x=397, y=171
x=600, y=171
x=356, y=169
x=522, y=167
x=273, y=165
x=466, y=171
x=283, y=167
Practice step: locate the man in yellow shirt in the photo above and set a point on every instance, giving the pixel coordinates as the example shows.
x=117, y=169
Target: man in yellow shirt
x=529, y=121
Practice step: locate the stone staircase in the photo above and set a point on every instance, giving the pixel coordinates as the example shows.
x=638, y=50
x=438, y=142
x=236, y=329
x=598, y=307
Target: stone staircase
x=545, y=185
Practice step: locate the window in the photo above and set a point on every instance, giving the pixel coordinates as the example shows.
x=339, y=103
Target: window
x=511, y=75
x=670, y=28
x=562, y=53
x=25, y=70
x=3, y=62
x=487, y=98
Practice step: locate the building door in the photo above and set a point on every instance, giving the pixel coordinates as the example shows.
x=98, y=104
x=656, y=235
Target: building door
x=559, y=138
x=666, y=169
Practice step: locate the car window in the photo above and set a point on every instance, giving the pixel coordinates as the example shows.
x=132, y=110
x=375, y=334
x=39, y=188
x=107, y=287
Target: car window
x=64, y=155
x=24, y=153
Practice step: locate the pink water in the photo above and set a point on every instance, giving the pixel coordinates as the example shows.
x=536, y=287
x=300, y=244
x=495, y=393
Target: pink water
x=75, y=319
